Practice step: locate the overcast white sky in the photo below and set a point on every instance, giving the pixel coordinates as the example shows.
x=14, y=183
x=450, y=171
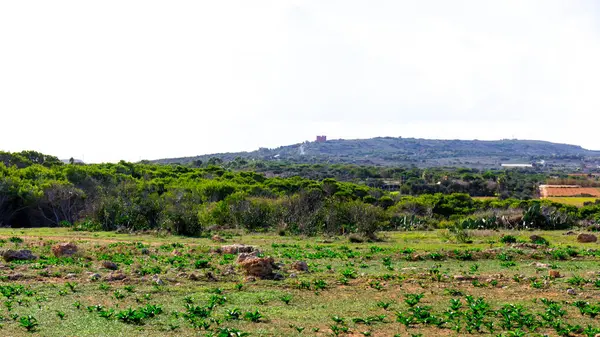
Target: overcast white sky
x=109, y=80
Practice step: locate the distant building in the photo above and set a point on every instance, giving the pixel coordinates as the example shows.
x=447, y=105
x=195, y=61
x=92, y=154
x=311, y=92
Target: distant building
x=516, y=165
x=321, y=139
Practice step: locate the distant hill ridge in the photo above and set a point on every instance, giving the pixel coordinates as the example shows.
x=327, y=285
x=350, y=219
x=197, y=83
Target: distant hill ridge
x=413, y=151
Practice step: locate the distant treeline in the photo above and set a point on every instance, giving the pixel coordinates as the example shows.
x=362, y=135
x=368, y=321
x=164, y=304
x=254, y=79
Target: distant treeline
x=39, y=190
x=514, y=183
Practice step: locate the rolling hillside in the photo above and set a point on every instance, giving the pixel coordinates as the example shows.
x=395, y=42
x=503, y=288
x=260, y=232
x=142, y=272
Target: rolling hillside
x=418, y=152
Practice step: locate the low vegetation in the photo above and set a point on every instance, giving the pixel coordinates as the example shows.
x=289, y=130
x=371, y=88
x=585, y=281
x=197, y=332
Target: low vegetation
x=38, y=190
x=411, y=284
x=144, y=249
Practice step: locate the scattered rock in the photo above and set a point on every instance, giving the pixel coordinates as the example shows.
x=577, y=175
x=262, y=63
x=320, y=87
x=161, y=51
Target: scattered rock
x=115, y=276
x=24, y=254
x=194, y=277
x=156, y=280
x=571, y=291
x=64, y=249
x=538, y=240
x=535, y=238
x=293, y=275
x=261, y=267
x=525, y=245
x=244, y=256
x=95, y=277
x=175, y=252
x=211, y=277
x=355, y=238
x=278, y=277
x=217, y=238
x=122, y=230
x=229, y=270
x=554, y=273
x=110, y=265
x=300, y=266
x=145, y=251
x=540, y=265
x=585, y=238
x=250, y=279
x=237, y=248
x=463, y=278
x=182, y=274
x=70, y=276
x=14, y=277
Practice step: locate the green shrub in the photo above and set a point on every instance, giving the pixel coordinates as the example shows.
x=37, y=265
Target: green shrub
x=508, y=239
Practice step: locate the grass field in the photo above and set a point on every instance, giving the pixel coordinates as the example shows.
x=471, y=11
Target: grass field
x=410, y=284
x=575, y=201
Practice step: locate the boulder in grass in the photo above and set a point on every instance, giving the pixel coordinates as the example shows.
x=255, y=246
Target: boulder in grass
x=14, y=277
x=586, y=238
x=244, y=256
x=261, y=267
x=116, y=276
x=64, y=249
x=23, y=254
x=157, y=280
x=237, y=248
x=110, y=265
x=300, y=266
x=217, y=238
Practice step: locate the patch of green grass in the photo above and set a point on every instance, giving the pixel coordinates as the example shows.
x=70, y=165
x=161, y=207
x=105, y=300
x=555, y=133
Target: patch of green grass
x=409, y=279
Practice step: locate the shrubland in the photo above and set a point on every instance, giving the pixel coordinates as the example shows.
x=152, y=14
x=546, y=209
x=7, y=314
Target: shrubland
x=38, y=191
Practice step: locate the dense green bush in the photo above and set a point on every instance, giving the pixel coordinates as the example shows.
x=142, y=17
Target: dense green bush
x=39, y=190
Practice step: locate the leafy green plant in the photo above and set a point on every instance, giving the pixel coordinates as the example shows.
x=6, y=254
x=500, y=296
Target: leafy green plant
x=216, y=300
x=230, y=332
x=384, y=305
x=202, y=264
x=29, y=322
x=376, y=285
x=196, y=311
x=118, y=295
x=131, y=316
x=233, y=314
x=577, y=280
x=107, y=313
x=349, y=273
x=508, y=239
x=287, y=298
x=253, y=316
x=537, y=284
x=320, y=284
x=71, y=286
x=412, y=299
x=16, y=240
